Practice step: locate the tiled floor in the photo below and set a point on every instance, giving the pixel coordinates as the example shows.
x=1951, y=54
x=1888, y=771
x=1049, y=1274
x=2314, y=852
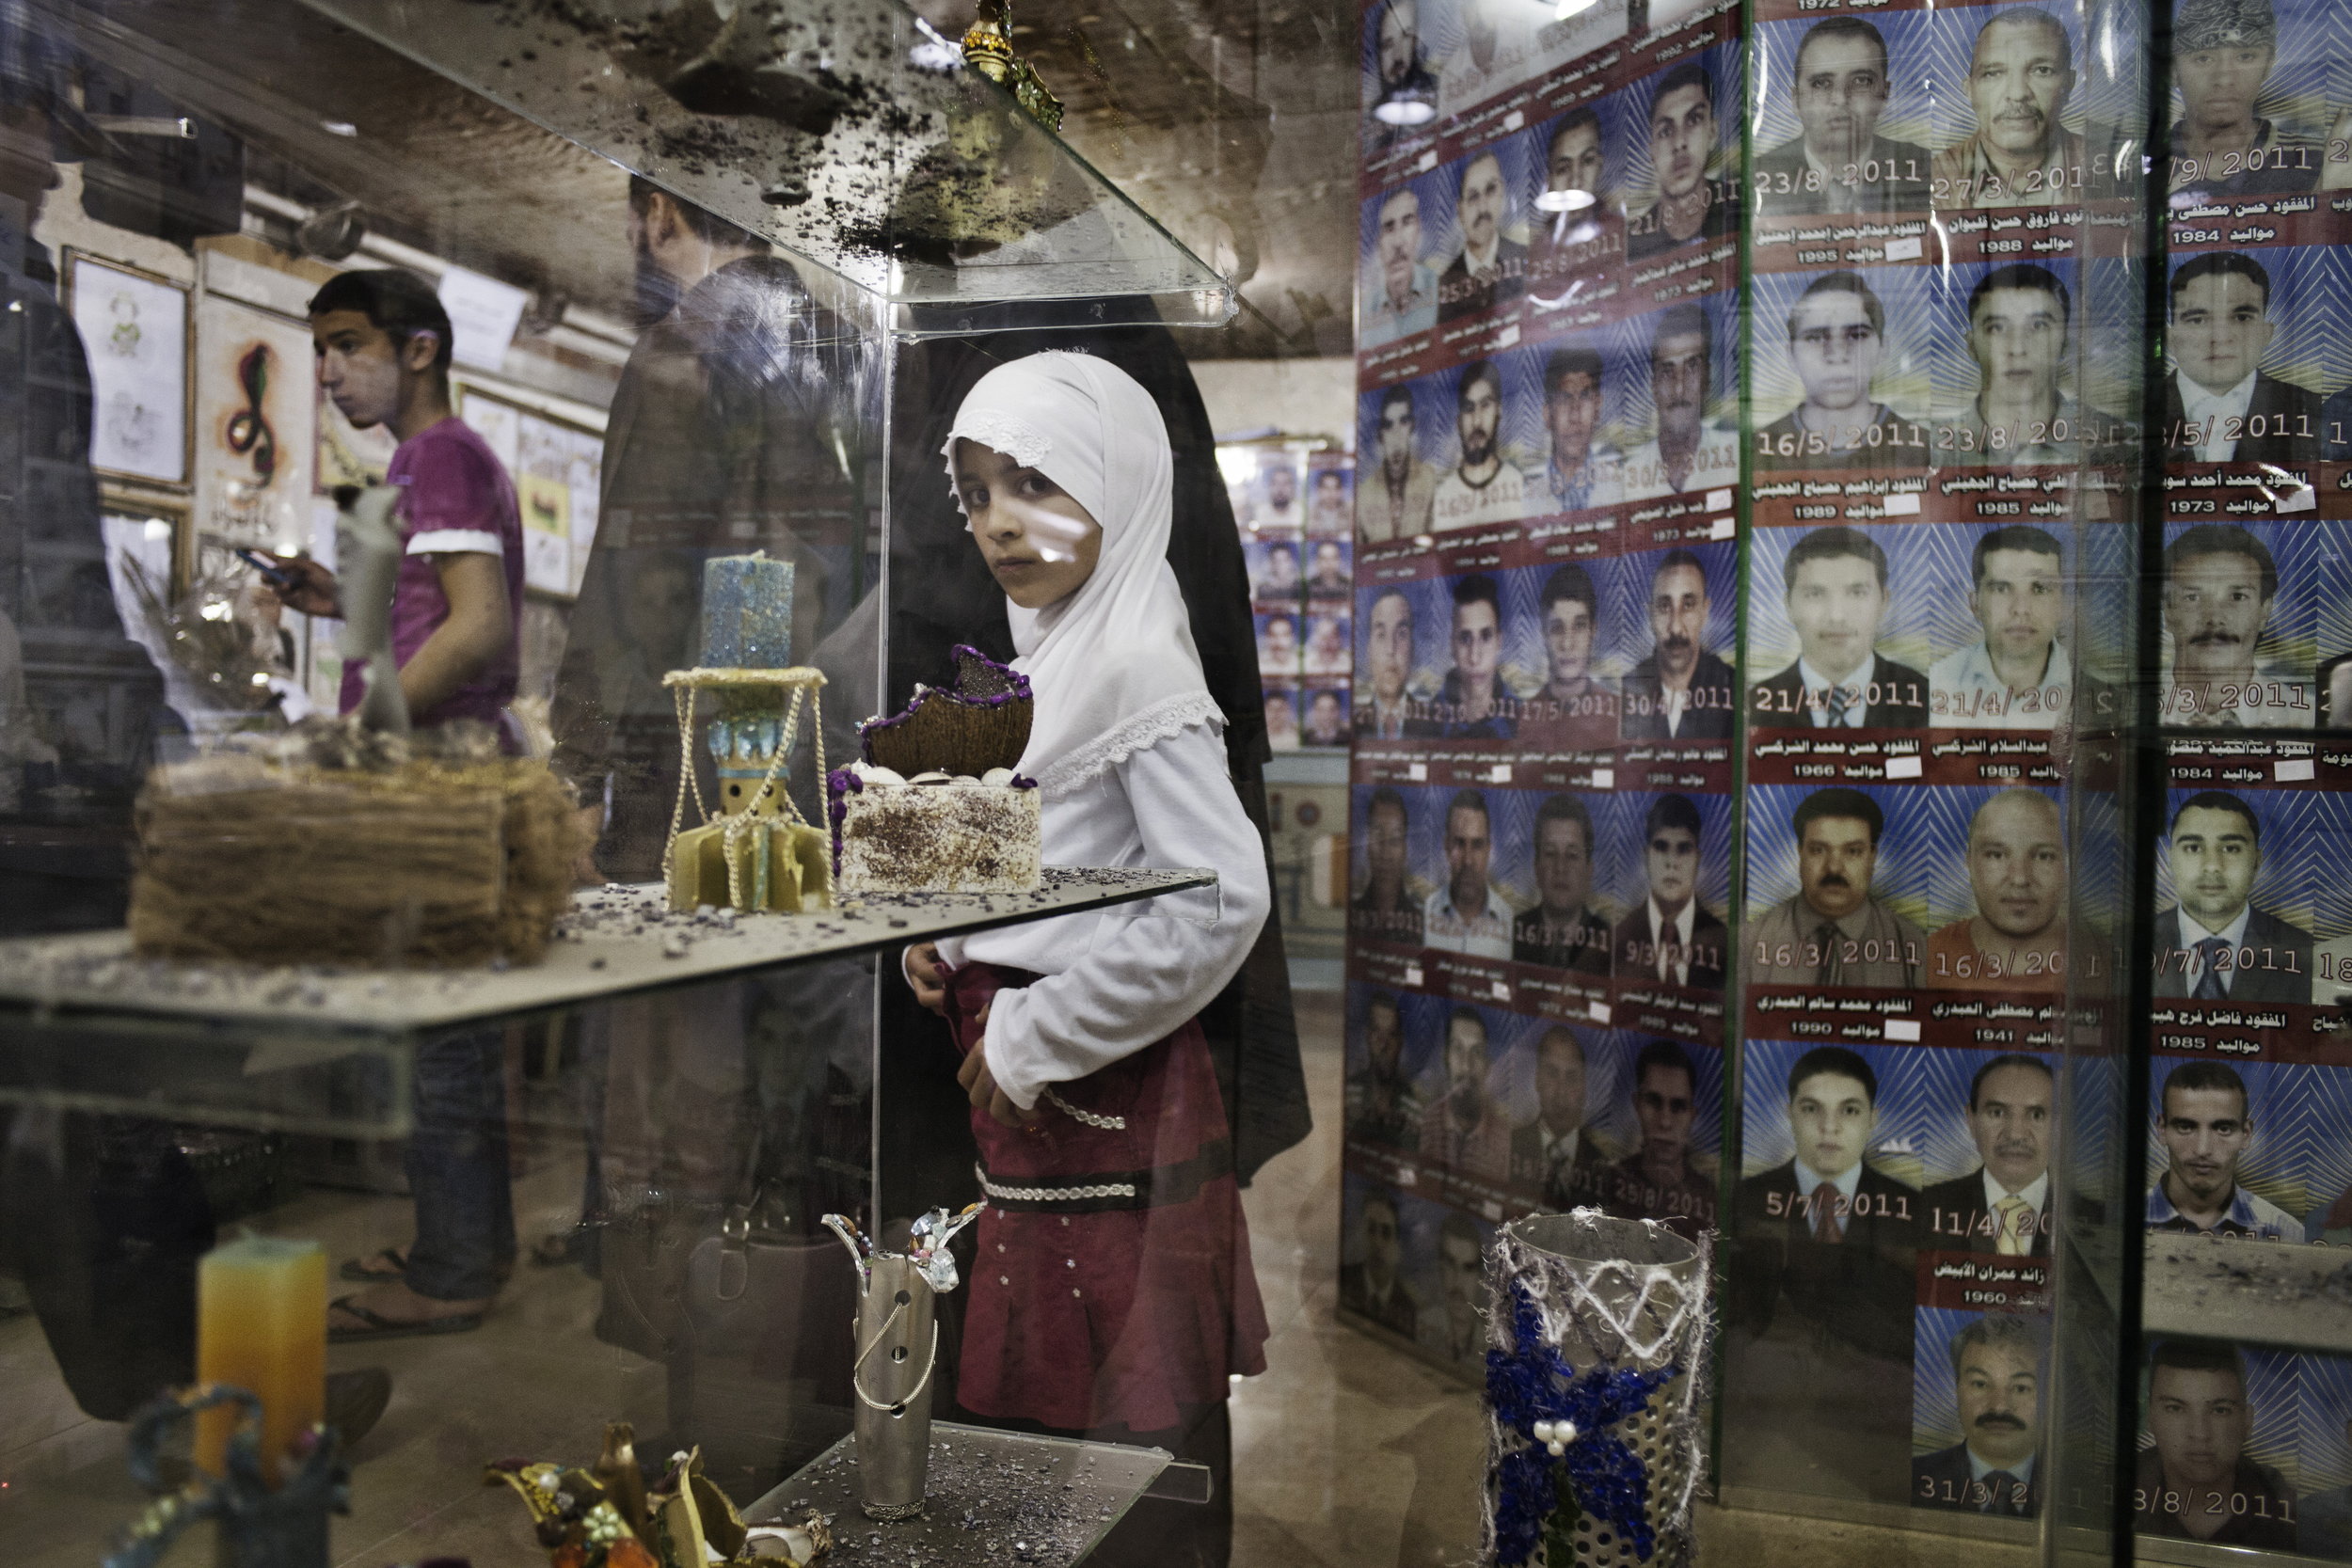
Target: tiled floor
x=1346, y=1453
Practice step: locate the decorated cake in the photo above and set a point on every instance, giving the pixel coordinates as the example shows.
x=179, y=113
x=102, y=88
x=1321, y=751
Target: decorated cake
x=935, y=805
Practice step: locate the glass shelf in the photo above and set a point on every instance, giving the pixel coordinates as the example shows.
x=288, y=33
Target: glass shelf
x=304, y=1049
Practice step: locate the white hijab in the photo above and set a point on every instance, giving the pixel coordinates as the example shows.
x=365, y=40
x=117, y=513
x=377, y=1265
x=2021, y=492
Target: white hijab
x=1112, y=667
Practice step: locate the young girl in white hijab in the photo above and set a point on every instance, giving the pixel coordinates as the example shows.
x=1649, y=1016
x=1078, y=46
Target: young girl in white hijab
x=1114, y=1289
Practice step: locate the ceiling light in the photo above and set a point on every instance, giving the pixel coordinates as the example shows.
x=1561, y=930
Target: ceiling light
x=338, y=127
x=1569, y=201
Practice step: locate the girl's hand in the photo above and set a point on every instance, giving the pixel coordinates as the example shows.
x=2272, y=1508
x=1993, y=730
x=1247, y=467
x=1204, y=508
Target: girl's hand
x=979, y=1084
x=920, y=964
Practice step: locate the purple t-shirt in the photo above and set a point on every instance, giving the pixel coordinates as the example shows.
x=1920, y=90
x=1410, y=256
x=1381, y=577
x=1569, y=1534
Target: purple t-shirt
x=455, y=497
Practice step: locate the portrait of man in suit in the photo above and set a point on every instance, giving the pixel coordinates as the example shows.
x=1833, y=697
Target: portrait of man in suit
x=2205, y=1125
x=2019, y=676
x=1680, y=691
x=2020, y=75
x=1831, y=931
x=1395, y=503
x=1466, y=1128
x=1387, y=908
x=1383, y=1104
x=1404, y=300
x=1662, y=1179
x=1563, y=931
x=1492, y=268
x=1838, y=163
x=2219, y=405
x=1835, y=588
x=2016, y=941
x=1374, y=1287
x=1681, y=140
x=2214, y=944
x=1670, y=937
x=1462, y=1277
x=1997, y=1367
x=1554, y=1154
x=1818, y=1300
x=1384, y=701
x=1837, y=337
x=2196, y=1480
x=2219, y=585
x=2003, y=1206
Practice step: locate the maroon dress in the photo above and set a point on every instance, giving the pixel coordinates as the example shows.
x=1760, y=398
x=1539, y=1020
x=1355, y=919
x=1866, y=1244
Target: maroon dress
x=1113, y=1284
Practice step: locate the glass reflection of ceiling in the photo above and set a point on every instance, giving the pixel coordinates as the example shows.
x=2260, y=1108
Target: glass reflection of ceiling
x=846, y=131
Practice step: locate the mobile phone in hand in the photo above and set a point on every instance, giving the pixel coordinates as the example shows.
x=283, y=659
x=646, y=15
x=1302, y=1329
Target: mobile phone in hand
x=272, y=573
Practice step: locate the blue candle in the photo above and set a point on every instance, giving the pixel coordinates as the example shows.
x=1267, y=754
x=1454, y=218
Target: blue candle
x=747, y=612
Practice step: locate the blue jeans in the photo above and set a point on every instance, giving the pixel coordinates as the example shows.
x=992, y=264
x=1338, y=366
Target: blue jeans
x=457, y=1169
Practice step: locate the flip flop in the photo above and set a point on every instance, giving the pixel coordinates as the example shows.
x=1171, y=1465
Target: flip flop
x=380, y=1327
x=363, y=1271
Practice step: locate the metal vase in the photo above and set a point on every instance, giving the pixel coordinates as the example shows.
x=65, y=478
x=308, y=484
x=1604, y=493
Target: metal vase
x=1623, y=1295
x=897, y=1345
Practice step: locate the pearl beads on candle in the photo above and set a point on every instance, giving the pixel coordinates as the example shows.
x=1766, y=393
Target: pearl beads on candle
x=1556, y=1435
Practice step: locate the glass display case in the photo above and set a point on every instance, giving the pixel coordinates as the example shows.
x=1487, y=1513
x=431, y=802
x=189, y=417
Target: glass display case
x=677, y=272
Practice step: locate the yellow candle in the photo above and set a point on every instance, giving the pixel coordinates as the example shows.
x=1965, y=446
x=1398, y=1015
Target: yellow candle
x=261, y=1325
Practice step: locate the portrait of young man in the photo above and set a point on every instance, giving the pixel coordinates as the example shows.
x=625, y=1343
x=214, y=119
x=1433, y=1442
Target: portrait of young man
x=1278, y=646
x=2205, y=1125
x=1574, y=707
x=1327, y=577
x=2222, y=52
x=1325, y=722
x=1406, y=299
x=2020, y=75
x=1387, y=908
x=1669, y=937
x=1554, y=1154
x=2196, y=1480
x=1838, y=163
x=1385, y=707
x=1680, y=691
x=1393, y=500
x=1563, y=930
x=2215, y=944
x=1689, y=454
x=1466, y=915
x=2016, y=941
x=1663, y=1179
x=1836, y=336
x=1483, y=487
x=1831, y=931
x=1326, y=513
x=1474, y=703
x=1462, y=1275
x=1491, y=269
x=1999, y=1364
x=1574, y=166
x=1682, y=131
x=1835, y=588
x=2019, y=316
x=1383, y=1103
x=2219, y=585
x=2019, y=676
x=1578, y=475
x=1818, y=1314
x=2003, y=1206
x=1377, y=1288
x=2219, y=406
x=1467, y=1128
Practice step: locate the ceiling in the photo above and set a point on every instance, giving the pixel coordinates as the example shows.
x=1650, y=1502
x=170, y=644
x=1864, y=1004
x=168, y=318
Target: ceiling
x=1230, y=121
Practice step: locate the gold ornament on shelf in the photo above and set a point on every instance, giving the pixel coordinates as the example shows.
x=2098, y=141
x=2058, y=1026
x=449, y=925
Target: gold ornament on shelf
x=988, y=49
x=605, y=1516
x=758, y=852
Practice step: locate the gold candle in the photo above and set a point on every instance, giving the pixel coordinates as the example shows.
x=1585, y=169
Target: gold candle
x=261, y=1325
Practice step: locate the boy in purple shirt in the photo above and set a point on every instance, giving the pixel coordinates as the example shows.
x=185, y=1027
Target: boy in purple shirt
x=383, y=342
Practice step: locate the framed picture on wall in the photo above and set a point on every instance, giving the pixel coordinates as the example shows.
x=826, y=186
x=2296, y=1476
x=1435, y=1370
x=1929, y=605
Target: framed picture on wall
x=256, y=409
x=136, y=334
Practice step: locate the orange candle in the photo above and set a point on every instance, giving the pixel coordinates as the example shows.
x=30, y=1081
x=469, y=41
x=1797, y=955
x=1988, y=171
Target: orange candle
x=261, y=1325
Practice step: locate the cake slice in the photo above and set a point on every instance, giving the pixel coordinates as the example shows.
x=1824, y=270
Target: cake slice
x=935, y=805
